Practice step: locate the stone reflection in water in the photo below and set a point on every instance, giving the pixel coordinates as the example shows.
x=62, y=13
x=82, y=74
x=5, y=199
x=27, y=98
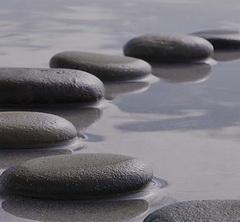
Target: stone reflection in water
x=180, y=73
x=115, y=89
x=10, y=158
x=71, y=211
x=226, y=55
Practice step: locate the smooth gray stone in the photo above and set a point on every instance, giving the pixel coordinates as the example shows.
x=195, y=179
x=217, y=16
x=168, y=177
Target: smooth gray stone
x=222, y=38
x=33, y=85
x=34, y=130
x=198, y=211
x=105, y=67
x=73, y=211
x=76, y=176
x=79, y=115
x=163, y=48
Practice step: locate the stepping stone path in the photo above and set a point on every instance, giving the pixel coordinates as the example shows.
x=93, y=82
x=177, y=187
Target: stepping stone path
x=76, y=176
x=34, y=130
x=105, y=67
x=163, y=48
x=198, y=211
x=221, y=39
x=33, y=85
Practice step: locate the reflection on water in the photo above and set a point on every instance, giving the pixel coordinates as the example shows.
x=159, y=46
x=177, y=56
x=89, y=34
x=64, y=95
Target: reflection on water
x=226, y=55
x=178, y=73
x=115, y=89
x=10, y=158
x=72, y=211
x=133, y=207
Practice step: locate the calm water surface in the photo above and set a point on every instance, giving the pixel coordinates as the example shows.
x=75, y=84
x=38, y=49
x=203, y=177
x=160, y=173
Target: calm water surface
x=185, y=121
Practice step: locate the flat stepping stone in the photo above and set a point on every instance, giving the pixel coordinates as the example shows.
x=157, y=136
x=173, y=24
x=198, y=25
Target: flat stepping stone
x=221, y=39
x=32, y=85
x=76, y=176
x=163, y=48
x=196, y=211
x=105, y=67
x=34, y=130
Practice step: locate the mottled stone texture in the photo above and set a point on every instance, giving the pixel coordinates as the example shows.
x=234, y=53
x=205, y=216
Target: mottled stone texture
x=105, y=67
x=76, y=176
x=173, y=48
x=33, y=129
x=33, y=85
x=198, y=211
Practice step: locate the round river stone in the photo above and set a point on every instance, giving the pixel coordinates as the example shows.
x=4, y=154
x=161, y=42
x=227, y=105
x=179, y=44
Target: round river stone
x=34, y=130
x=221, y=39
x=33, y=85
x=76, y=176
x=196, y=211
x=163, y=48
x=105, y=67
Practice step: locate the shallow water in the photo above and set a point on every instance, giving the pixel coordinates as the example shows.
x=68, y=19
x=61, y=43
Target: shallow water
x=185, y=121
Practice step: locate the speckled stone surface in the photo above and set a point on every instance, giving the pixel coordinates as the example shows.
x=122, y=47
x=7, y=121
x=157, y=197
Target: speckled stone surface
x=33, y=129
x=76, y=176
x=105, y=67
x=198, y=211
x=33, y=85
x=172, y=48
x=221, y=39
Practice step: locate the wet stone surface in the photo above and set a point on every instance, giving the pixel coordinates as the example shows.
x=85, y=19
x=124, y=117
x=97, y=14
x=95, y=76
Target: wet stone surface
x=32, y=85
x=34, y=130
x=196, y=211
x=76, y=176
x=172, y=48
x=105, y=67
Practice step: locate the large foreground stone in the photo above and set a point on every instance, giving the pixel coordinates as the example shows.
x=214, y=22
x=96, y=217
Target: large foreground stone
x=105, y=67
x=198, y=211
x=221, y=39
x=33, y=85
x=34, y=130
x=162, y=48
x=76, y=176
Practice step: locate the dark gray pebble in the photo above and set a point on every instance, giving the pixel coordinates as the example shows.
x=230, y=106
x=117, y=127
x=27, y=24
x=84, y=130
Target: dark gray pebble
x=196, y=211
x=33, y=129
x=163, y=48
x=221, y=39
x=105, y=67
x=76, y=176
x=33, y=85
